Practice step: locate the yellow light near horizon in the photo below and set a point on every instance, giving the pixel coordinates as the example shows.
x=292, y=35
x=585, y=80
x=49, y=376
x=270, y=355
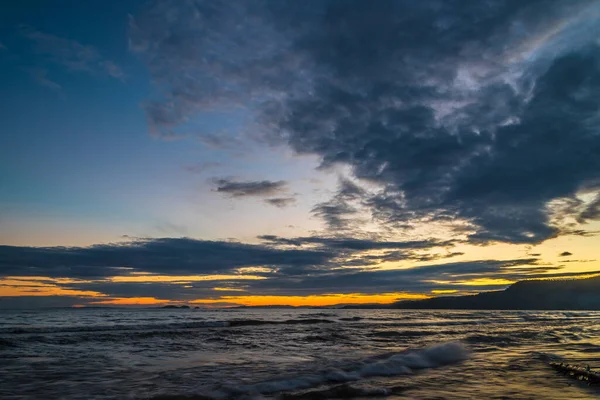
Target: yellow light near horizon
x=21, y=287
x=44, y=278
x=313, y=300
x=181, y=278
x=477, y=282
x=444, y=291
x=133, y=301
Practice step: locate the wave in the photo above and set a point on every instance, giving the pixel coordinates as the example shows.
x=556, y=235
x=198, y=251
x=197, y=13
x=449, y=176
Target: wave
x=335, y=337
x=513, y=338
x=101, y=328
x=6, y=343
x=168, y=326
x=343, y=392
x=254, y=322
x=352, y=319
x=402, y=363
x=402, y=334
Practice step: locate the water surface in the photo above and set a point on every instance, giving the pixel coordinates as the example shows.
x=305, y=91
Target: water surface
x=294, y=354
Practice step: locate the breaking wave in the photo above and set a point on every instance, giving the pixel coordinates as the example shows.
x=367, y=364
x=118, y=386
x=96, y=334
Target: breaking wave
x=402, y=363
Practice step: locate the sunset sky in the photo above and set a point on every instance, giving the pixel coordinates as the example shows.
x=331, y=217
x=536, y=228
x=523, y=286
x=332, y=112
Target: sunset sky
x=317, y=152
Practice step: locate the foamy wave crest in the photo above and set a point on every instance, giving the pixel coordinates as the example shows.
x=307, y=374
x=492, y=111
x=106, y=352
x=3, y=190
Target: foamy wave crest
x=397, y=364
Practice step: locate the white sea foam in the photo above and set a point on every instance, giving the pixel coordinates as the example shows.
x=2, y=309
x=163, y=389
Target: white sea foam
x=397, y=364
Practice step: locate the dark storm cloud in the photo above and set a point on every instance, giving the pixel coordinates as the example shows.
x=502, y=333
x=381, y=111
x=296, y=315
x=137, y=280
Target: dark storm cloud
x=339, y=213
x=312, y=266
x=336, y=214
x=281, y=202
x=358, y=252
x=164, y=255
x=158, y=290
x=472, y=111
x=401, y=256
x=249, y=188
x=418, y=280
x=355, y=244
x=184, y=256
x=307, y=281
x=318, y=280
x=591, y=211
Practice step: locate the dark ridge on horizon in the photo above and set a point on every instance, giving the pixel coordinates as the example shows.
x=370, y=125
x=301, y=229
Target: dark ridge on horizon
x=559, y=294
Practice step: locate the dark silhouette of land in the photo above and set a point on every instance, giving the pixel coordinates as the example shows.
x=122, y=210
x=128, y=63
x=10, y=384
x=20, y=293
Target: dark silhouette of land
x=574, y=294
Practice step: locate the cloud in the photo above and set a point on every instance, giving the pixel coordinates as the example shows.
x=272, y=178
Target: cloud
x=565, y=254
x=311, y=255
x=395, y=256
x=41, y=76
x=249, y=188
x=180, y=268
x=469, y=113
x=220, y=141
x=341, y=212
x=281, y=202
x=170, y=256
x=113, y=70
x=72, y=55
x=591, y=210
x=336, y=214
x=455, y=276
x=418, y=280
x=356, y=244
x=157, y=290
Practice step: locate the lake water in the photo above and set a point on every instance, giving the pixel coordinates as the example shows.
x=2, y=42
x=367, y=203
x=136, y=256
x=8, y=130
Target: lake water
x=294, y=354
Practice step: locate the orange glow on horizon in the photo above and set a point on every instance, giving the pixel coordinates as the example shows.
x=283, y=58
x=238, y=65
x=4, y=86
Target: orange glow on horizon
x=134, y=301
x=22, y=287
x=314, y=300
x=250, y=300
x=476, y=282
x=18, y=286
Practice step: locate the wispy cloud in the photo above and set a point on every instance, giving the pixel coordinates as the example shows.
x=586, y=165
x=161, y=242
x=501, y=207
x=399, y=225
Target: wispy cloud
x=71, y=55
x=281, y=202
x=235, y=188
x=41, y=76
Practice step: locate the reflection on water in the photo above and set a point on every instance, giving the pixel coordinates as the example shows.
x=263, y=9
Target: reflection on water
x=294, y=353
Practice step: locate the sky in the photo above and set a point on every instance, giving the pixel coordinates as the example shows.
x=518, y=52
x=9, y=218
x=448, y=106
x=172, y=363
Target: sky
x=266, y=152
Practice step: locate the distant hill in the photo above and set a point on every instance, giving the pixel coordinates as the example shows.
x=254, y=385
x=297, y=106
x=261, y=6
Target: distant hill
x=575, y=294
